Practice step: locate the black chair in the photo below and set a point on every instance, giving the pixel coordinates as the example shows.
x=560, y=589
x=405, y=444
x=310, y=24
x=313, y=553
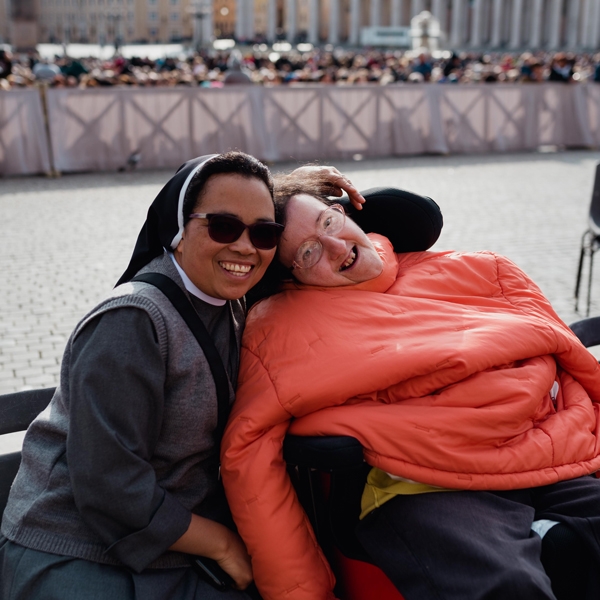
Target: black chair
x=16, y=413
x=590, y=242
x=587, y=330
x=333, y=505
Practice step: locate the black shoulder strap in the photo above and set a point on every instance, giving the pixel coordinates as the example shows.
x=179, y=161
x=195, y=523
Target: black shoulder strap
x=180, y=301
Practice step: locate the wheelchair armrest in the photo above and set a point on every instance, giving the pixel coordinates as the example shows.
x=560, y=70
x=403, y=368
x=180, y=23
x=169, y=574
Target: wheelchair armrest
x=333, y=513
x=587, y=330
x=323, y=453
x=18, y=409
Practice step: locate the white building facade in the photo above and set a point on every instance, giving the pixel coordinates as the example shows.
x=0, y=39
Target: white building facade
x=477, y=24
x=465, y=24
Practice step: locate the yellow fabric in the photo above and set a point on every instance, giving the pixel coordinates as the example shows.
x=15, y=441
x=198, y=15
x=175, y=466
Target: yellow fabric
x=380, y=488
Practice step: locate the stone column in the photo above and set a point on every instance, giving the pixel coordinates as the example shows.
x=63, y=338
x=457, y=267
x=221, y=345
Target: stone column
x=313, y=21
x=587, y=33
x=477, y=23
x=290, y=33
x=516, y=24
x=375, y=13
x=334, y=22
x=396, y=17
x=595, y=30
x=497, y=19
x=438, y=10
x=573, y=39
x=555, y=17
x=249, y=19
x=240, y=20
x=535, y=39
x=208, y=29
x=354, y=22
x=271, y=20
x=458, y=19
x=416, y=7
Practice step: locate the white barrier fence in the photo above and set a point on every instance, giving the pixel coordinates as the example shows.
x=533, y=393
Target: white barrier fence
x=23, y=140
x=97, y=130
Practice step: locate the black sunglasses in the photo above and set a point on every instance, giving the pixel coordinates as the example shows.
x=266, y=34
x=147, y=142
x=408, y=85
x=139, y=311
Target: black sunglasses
x=226, y=229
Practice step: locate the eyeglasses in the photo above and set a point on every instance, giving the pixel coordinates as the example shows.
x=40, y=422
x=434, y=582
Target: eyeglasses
x=332, y=221
x=226, y=229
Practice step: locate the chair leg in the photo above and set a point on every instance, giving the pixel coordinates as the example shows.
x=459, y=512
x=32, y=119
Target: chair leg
x=589, y=291
x=578, y=280
x=586, y=246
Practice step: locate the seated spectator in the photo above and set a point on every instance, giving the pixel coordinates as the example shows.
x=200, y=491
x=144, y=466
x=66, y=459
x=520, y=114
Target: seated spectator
x=5, y=63
x=46, y=71
x=561, y=69
x=235, y=73
x=423, y=66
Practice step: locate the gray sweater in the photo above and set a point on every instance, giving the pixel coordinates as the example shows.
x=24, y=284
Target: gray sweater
x=125, y=452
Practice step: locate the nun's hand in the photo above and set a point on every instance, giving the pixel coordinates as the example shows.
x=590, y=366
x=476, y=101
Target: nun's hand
x=236, y=562
x=339, y=183
x=208, y=538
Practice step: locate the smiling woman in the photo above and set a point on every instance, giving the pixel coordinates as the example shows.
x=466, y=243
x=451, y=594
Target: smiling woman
x=228, y=270
x=476, y=407
x=318, y=255
x=118, y=483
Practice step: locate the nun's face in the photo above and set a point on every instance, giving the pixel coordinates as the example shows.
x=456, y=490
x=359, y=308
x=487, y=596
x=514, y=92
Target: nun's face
x=227, y=271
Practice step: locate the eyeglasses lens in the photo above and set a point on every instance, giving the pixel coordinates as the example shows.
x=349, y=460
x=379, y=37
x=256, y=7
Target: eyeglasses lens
x=265, y=235
x=331, y=222
x=226, y=230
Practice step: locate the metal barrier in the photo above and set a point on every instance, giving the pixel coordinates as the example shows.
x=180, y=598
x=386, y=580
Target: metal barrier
x=99, y=129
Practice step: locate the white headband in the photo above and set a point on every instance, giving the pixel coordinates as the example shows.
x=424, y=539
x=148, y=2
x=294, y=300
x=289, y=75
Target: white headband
x=178, y=236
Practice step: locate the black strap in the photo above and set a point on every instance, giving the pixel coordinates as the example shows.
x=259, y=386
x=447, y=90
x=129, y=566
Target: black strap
x=184, y=307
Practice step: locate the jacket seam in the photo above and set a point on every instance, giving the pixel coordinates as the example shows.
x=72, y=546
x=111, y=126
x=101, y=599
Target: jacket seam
x=270, y=379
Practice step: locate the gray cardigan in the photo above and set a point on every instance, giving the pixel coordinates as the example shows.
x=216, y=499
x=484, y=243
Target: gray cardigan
x=113, y=468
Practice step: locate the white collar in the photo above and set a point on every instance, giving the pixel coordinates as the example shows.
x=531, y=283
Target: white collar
x=193, y=289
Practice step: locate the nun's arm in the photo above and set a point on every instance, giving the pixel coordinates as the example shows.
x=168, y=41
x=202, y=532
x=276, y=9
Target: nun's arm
x=339, y=183
x=116, y=390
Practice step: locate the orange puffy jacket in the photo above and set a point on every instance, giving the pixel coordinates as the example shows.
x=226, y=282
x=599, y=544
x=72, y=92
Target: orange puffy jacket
x=442, y=367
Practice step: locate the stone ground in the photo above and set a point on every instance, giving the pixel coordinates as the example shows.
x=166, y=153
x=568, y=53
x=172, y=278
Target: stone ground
x=64, y=242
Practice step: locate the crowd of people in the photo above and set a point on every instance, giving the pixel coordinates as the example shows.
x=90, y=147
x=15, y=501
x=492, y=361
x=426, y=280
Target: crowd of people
x=338, y=66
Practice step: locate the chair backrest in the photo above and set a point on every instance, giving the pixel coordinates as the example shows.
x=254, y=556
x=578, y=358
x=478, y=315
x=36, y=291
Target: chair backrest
x=595, y=204
x=587, y=330
x=16, y=413
x=342, y=458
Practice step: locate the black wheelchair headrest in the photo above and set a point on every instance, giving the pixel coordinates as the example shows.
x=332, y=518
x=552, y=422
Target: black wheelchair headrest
x=412, y=223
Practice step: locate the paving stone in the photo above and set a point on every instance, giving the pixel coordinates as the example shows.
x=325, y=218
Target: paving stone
x=8, y=386
x=12, y=365
x=43, y=380
x=53, y=370
x=44, y=362
x=29, y=371
x=20, y=356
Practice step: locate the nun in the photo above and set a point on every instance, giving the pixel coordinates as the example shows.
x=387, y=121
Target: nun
x=118, y=494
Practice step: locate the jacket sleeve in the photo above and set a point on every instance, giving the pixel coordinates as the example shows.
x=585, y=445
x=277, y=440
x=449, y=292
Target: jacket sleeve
x=286, y=559
x=117, y=382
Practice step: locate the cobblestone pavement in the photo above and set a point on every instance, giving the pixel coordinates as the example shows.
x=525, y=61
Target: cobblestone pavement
x=64, y=242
